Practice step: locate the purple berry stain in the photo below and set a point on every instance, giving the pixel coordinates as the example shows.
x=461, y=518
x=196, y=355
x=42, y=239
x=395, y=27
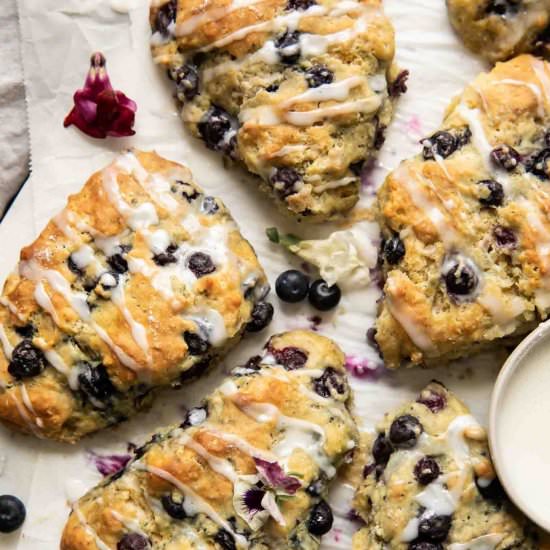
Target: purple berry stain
x=363, y=368
x=107, y=465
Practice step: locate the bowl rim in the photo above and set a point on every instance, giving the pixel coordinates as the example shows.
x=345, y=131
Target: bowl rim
x=506, y=374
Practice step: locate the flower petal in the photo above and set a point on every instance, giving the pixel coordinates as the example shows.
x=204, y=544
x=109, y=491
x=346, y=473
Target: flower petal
x=274, y=475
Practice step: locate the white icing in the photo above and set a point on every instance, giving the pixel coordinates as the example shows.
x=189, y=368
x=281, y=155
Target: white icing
x=336, y=91
x=85, y=256
x=89, y=530
x=533, y=87
x=63, y=225
x=542, y=75
x=44, y=301
x=211, y=322
x=410, y=532
x=12, y=307
x=26, y=398
x=109, y=245
x=485, y=542
x=24, y=414
x=56, y=361
x=6, y=345
x=334, y=184
x=158, y=240
x=130, y=524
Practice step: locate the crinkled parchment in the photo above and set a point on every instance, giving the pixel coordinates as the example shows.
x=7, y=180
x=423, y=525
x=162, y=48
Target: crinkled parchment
x=59, y=36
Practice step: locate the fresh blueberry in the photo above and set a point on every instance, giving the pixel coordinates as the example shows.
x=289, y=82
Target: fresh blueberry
x=399, y=85
x=26, y=360
x=319, y=75
x=173, y=507
x=261, y=316
x=382, y=449
x=118, y=263
x=492, y=193
x=461, y=278
x=187, y=82
x=195, y=417
x=426, y=470
x=425, y=545
x=506, y=157
x=166, y=257
x=195, y=344
x=288, y=46
x=133, y=541
x=505, y=237
x=293, y=5
x=290, y=357
x=73, y=267
x=442, y=143
x=330, y=383
x=285, y=181
x=201, y=264
x=292, y=286
x=95, y=381
x=225, y=539
x=539, y=165
x=433, y=400
x=166, y=15
x=324, y=297
x=218, y=128
x=12, y=513
x=434, y=527
x=209, y=205
x=394, y=250
x=405, y=431
x=320, y=519
x=492, y=491
x=503, y=7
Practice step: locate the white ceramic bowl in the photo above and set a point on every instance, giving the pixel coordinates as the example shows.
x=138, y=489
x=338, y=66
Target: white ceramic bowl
x=517, y=468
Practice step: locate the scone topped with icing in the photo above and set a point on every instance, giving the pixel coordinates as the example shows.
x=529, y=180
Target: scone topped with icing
x=249, y=468
x=500, y=29
x=299, y=91
x=140, y=282
x=466, y=223
x=429, y=484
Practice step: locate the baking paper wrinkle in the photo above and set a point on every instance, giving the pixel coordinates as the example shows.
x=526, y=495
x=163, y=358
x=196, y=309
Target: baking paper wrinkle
x=59, y=36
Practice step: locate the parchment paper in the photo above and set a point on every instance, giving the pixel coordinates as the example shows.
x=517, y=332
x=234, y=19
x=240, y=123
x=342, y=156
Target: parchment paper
x=58, y=38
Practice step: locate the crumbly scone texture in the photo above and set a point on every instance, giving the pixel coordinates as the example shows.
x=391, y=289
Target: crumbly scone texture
x=140, y=282
x=298, y=91
x=247, y=468
x=466, y=223
x=501, y=29
x=429, y=483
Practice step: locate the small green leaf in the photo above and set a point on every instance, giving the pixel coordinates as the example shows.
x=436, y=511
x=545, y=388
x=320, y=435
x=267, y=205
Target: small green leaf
x=272, y=234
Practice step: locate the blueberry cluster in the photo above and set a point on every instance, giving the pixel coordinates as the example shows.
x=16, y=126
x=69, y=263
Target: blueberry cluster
x=293, y=286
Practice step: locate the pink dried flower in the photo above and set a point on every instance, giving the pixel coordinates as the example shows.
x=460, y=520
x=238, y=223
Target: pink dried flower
x=99, y=110
x=275, y=476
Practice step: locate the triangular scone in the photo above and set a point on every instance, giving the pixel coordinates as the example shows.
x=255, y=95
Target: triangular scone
x=249, y=468
x=466, y=223
x=429, y=483
x=298, y=91
x=140, y=282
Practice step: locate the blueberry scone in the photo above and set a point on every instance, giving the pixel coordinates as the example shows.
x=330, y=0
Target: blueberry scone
x=500, y=29
x=429, y=484
x=140, y=282
x=249, y=468
x=466, y=223
x=298, y=91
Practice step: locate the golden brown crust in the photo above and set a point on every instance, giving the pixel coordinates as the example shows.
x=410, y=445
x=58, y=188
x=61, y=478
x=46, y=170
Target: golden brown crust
x=244, y=98
x=283, y=408
x=440, y=206
x=94, y=290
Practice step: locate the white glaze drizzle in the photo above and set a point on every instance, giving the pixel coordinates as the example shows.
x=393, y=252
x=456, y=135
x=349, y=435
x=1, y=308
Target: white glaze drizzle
x=24, y=414
x=533, y=87
x=130, y=524
x=57, y=362
x=12, y=307
x=44, y=301
x=6, y=345
x=26, y=398
x=89, y=530
x=336, y=91
x=485, y=542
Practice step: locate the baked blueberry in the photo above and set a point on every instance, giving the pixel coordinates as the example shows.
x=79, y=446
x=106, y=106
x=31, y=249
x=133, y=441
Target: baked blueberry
x=290, y=357
x=25, y=331
x=225, y=539
x=426, y=470
x=133, y=541
x=460, y=278
x=506, y=157
x=492, y=490
x=394, y=250
x=505, y=237
x=288, y=47
x=371, y=339
x=195, y=344
x=195, y=417
x=379, y=134
x=199, y=368
x=201, y=264
x=324, y=297
x=166, y=257
x=405, y=431
x=318, y=75
x=12, y=513
x=300, y=4
x=166, y=15
x=173, y=508
x=26, y=360
x=425, y=545
x=503, y=7
x=73, y=267
x=491, y=193
x=285, y=181
x=382, y=449
x=261, y=316
x=95, y=381
x=187, y=82
x=434, y=527
x=435, y=401
x=292, y=286
x=118, y=263
x=330, y=383
x=209, y=205
x=320, y=519
x=217, y=128
x=399, y=85
x=187, y=190
x=441, y=143
x=539, y=165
